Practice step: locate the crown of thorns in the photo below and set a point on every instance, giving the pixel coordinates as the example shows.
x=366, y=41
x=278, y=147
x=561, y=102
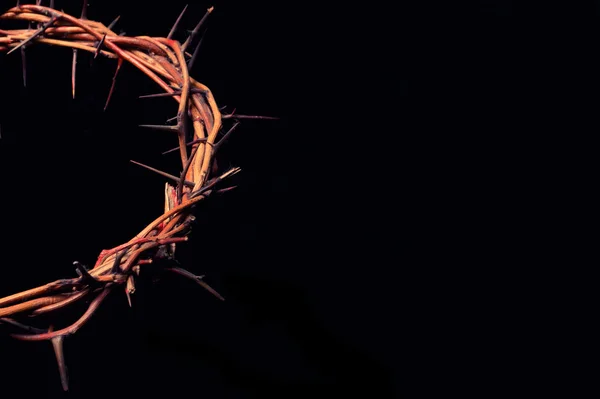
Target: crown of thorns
x=198, y=122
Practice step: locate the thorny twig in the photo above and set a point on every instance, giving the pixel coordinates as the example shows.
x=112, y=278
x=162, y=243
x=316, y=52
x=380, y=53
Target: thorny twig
x=163, y=61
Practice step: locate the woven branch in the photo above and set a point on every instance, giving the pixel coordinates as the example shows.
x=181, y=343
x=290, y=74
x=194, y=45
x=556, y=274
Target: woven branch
x=163, y=60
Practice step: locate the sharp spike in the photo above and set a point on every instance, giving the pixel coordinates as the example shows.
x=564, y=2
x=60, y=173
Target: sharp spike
x=191, y=37
x=197, y=279
x=73, y=71
x=226, y=189
x=112, y=86
x=220, y=143
x=234, y=116
x=174, y=93
x=174, y=28
x=113, y=23
x=84, y=10
x=165, y=174
x=157, y=95
x=128, y=297
x=101, y=42
x=191, y=62
x=57, y=344
x=24, y=66
x=52, y=4
x=202, y=140
x=165, y=128
x=35, y=35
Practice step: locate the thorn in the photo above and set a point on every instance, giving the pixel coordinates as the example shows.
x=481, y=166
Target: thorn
x=36, y=34
x=57, y=344
x=191, y=62
x=174, y=28
x=109, y=27
x=128, y=297
x=100, y=43
x=232, y=115
x=51, y=3
x=113, y=23
x=165, y=174
x=166, y=128
x=224, y=190
x=202, y=140
x=82, y=271
x=112, y=86
x=175, y=93
x=214, y=181
x=24, y=66
x=73, y=71
x=190, y=38
x=197, y=279
x=218, y=145
x=84, y=10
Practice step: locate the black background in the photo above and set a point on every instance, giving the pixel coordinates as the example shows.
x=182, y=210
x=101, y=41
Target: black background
x=299, y=318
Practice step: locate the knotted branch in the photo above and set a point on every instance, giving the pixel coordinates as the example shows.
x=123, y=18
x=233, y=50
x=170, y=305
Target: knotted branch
x=199, y=120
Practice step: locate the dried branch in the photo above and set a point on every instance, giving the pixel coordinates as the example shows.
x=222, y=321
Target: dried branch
x=162, y=60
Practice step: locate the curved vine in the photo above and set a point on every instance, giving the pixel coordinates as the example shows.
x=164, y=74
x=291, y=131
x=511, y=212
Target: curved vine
x=167, y=63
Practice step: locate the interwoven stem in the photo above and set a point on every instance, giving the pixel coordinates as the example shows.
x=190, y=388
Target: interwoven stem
x=163, y=60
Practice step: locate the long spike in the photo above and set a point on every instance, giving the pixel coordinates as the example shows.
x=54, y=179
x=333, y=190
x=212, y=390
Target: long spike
x=220, y=143
x=57, y=344
x=165, y=128
x=24, y=66
x=191, y=37
x=174, y=28
x=84, y=10
x=73, y=71
x=165, y=174
x=197, y=279
x=235, y=116
x=101, y=42
x=51, y=3
x=112, y=86
x=175, y=93
x=113, y=23
x=202, y=140
x=191, y=62
x=35, y=35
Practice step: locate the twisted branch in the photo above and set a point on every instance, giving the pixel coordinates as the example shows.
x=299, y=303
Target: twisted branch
x=163, y=61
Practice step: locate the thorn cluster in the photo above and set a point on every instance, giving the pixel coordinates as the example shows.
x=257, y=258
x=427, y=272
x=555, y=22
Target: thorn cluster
x=199, y=120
